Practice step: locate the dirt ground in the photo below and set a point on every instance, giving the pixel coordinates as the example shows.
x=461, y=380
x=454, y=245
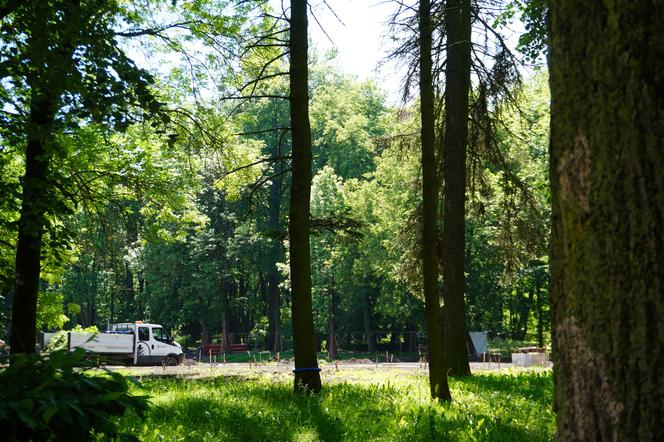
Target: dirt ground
x=283, y=370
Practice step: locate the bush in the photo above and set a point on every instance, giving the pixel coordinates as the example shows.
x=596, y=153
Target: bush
x=59, y=340
x=44, y=398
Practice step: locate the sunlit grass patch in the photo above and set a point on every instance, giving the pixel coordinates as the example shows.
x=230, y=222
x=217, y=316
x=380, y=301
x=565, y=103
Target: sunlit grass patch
x=376, y=405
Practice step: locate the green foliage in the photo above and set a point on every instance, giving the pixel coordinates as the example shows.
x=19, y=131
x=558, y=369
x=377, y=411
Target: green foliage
x=533, y=15
x=48, y=398
x=49, y=310
x=260, y=330
x=184, y=224
x=362, y=405
x=59, y=341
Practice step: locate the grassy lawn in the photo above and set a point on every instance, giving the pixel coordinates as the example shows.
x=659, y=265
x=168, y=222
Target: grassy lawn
x=360, y=405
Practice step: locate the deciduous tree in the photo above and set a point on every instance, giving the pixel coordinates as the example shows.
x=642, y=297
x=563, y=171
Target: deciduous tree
x=307, y=375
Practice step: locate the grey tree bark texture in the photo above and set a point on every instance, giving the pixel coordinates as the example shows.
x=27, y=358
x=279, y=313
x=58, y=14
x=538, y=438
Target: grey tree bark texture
x=437, y=373
x=607, y=246
x=307, y=376
x=457, y=89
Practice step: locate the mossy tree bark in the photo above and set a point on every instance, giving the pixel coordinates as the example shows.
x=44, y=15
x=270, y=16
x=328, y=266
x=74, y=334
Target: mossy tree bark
x=607, y=246
x=307, y=376
x=457, y=89
x=437, y=373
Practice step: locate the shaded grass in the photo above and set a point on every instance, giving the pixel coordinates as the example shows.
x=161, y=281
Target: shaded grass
x=387, y=406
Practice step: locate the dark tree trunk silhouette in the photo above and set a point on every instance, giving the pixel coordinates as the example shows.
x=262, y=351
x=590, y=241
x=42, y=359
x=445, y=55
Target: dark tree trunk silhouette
x=457, y=88
x=31, y=222
x=275, y=253
x=366, y=320
x=307, y=375
x=131, y=237
x=524, y=315
x=607, y=245
x=540, y=315
x=437, y=374
x=331, y=330
x=44, y=99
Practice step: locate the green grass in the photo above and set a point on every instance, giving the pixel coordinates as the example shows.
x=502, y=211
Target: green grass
x=357, y=405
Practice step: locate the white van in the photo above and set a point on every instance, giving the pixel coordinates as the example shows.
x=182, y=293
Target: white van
x=137, y=343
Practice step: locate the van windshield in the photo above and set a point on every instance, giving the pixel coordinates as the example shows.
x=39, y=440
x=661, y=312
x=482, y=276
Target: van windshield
x=160, y=335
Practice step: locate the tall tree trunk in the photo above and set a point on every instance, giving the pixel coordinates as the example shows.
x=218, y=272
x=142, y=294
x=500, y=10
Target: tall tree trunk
x=307, y=374
x=92, y=320
x=131, y=238
x=275, y=254
x=457, y=88
x=43, y=105
x=412, y=342
x=540, y=315
x=225, y=290
x=225, y=333
x=524, y=315
x=437, y=374
x=205, y=336
x=607, y=246
x=141, y=290
x=275, y=299
x=366, y=319
x=331, y=332
x=31, y=223
x=129, y=294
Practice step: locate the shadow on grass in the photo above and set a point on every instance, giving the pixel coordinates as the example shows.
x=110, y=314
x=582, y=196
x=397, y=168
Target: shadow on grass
x=531, y=386
x=236, y=409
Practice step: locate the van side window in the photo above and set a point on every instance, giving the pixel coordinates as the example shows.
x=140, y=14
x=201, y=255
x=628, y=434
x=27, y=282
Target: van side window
x=143, y=334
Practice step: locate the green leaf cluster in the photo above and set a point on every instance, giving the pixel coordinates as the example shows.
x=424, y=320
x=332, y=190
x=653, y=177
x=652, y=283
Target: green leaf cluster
x=49, y=398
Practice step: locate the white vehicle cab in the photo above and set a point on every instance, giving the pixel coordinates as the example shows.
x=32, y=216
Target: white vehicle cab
x=139, y=343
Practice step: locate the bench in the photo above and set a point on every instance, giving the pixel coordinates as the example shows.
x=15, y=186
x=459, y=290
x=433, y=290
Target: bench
x=237, y=348
x=215, y=349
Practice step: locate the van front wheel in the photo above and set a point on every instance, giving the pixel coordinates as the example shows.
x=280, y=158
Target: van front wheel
x=171, y=361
